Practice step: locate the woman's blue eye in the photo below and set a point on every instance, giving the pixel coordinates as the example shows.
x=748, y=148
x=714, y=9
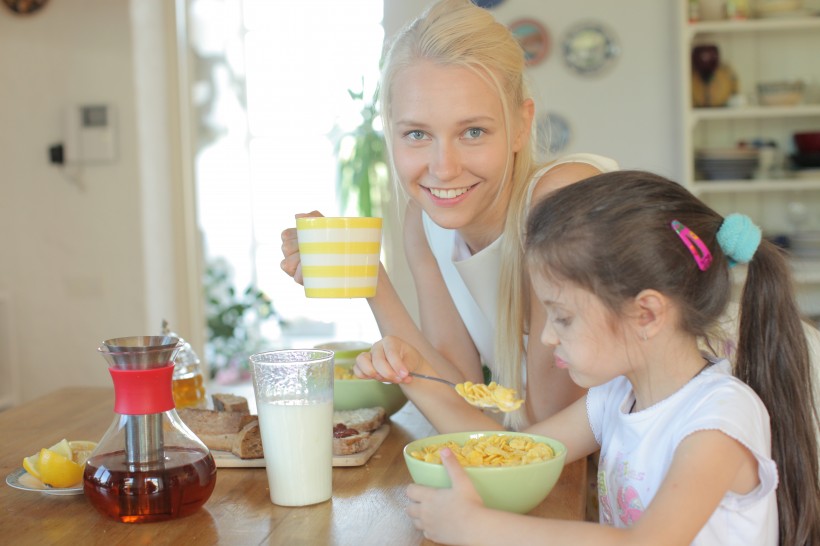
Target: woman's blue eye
x=415, y=135
x=474, y=132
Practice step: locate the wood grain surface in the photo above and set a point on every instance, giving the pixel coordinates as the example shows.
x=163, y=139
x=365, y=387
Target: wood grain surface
x=368, y=504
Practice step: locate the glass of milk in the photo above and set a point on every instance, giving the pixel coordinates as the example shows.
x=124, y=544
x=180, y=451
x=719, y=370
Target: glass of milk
x=294, y=399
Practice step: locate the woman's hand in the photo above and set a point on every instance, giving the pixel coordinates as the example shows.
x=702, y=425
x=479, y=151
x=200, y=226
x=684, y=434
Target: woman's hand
x=292, y=262
x=390, y=359
x=446, y=516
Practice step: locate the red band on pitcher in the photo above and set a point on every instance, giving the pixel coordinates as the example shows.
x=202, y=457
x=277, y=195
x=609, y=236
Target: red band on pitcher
x=142, y=392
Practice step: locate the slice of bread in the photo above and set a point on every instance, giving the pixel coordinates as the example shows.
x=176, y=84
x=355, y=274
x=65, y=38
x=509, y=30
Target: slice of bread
x=247, y=443
x=351, y=444
x=231, y=427
x=209, y=422
x=230, y=402
x=352, y=428
x=363, y=420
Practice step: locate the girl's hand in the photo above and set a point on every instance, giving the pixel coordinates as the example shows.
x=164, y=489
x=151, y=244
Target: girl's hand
x=292, y=263
x=390, y=359
x=447, y=516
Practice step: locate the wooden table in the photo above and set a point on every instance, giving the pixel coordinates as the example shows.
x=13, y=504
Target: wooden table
x=368, y=504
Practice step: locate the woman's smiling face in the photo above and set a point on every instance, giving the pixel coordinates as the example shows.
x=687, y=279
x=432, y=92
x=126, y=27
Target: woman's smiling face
x=450, y=147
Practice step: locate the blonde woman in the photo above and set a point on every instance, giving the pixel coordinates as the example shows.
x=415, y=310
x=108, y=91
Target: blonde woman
x=458, y=121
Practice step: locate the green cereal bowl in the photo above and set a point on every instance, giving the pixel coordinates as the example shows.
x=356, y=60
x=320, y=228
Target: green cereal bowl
x=516, y=489
x=351, y=394
x=345, y=352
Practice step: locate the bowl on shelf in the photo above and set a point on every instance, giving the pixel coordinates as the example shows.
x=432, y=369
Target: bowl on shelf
x=727, y=163
x=350, y=392
x=808, y=142
x=807, y=160
x=780, y=93
x=518, y=488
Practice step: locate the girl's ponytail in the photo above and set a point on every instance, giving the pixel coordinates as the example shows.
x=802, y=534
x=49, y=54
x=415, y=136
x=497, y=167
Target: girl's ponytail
x=773, y=359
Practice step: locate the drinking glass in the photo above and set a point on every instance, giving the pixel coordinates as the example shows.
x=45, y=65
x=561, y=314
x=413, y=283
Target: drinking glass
x=294, y=400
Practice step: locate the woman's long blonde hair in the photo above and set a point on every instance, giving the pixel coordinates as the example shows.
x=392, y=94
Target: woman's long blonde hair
x=458, y=33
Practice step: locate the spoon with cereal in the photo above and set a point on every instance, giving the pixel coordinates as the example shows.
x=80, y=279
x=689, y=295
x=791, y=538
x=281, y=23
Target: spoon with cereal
x=493, y=396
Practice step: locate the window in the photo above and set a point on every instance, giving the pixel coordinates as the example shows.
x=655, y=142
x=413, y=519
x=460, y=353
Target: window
x=271, y=90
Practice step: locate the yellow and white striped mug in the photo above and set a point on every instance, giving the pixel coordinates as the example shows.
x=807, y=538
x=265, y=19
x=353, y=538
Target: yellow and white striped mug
x=340, y=256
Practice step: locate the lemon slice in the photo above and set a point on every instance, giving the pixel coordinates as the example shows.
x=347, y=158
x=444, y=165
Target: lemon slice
x=81, y=450
x=53, y=467
x=63, y=448
x=30, y=465
x=58, y=470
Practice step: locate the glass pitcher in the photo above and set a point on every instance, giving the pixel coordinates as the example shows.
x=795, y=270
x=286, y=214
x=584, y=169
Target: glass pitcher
x=148, y=466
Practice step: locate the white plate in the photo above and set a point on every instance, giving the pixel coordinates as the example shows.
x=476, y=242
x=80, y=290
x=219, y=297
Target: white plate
x=20, y=479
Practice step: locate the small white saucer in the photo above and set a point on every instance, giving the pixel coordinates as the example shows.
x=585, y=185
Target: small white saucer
x=20, y=479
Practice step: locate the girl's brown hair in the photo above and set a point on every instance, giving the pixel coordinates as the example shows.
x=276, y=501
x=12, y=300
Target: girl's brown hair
x=611, y=235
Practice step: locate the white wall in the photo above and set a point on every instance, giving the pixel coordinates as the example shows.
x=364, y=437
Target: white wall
x=79, y=250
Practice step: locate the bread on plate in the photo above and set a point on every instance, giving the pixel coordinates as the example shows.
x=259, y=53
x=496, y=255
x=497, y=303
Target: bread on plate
x=230, y=427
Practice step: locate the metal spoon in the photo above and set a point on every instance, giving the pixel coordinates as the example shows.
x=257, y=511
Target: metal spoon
x=430, y=377
x=475, y=403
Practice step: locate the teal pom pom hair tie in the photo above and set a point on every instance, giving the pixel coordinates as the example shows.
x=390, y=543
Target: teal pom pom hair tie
x=739, y=238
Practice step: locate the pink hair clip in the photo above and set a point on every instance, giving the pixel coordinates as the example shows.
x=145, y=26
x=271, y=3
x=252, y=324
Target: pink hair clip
x=697, y=247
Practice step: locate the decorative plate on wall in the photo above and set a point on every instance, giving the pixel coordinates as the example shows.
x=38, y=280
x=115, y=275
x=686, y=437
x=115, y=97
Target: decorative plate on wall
x=24, y=7
x=488, y=4
x=590, y=48
x=552, y=135
x=534, y=40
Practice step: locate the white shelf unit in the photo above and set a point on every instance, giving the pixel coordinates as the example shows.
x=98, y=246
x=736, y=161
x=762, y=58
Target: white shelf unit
x=758, y=50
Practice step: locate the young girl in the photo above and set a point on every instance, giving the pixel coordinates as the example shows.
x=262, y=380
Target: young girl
x=632, y=271
x=458, y=119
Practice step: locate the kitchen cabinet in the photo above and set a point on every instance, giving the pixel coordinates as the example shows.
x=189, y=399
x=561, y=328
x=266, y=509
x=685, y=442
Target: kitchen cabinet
x=782, y=200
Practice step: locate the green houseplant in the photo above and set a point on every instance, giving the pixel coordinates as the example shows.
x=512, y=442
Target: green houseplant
x=233, y=321
x=362, y=175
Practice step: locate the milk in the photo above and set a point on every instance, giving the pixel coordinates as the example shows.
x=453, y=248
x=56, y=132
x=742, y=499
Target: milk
x=298, y=443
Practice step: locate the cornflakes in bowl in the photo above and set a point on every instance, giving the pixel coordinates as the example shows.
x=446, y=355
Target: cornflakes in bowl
x=512, y=471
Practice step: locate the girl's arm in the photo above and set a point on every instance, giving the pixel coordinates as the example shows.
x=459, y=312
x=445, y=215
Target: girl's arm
x=570, y=426
x=706, y=465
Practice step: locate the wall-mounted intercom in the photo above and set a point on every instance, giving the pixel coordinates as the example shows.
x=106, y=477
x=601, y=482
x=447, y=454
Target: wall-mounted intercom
x=90, y=135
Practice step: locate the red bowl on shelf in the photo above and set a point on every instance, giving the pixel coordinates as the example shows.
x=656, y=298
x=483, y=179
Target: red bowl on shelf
x=807, y=142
